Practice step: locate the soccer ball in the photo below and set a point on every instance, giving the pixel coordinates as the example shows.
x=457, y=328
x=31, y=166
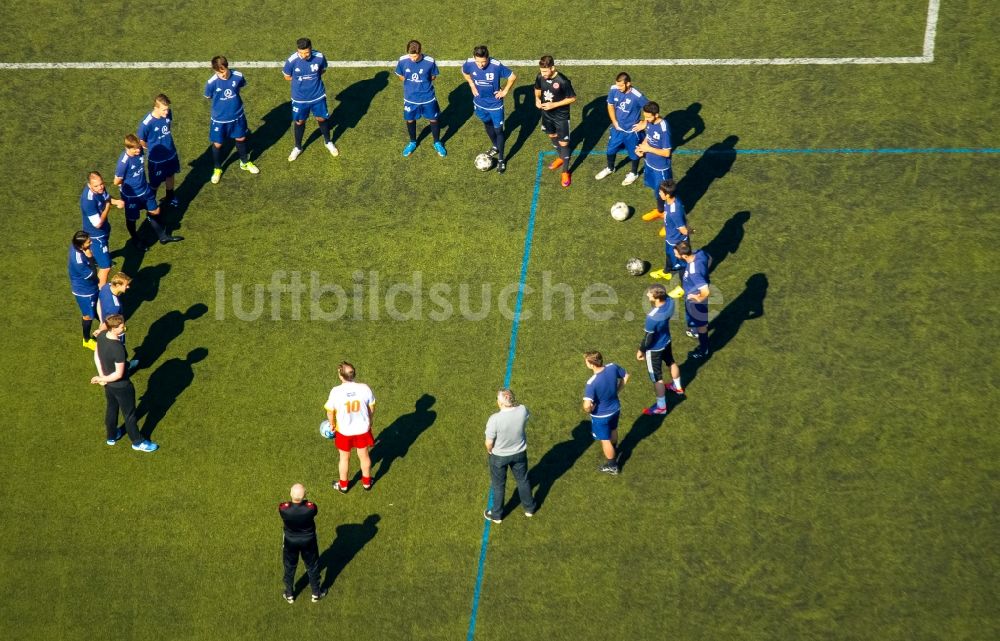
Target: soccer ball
x=484, y=162
x=635, y=266
x=619, y=211
x=325, y=431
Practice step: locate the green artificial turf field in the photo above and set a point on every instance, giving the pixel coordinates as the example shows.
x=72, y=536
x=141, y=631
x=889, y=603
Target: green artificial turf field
x=831, y=473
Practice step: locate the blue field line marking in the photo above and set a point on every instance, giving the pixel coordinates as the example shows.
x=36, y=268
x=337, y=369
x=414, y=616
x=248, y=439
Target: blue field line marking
x=511, y=351
x=821, y=151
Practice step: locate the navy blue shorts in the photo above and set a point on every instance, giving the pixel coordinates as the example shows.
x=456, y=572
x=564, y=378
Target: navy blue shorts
x=624, y=140
x=495, y=116
x=653, y=177
x=696, y=313
x=301, y=110
x=220, y=132
x=414, y=111
x=133, y=205
x=160, y=171
x=601, y=427
x=87, y=304
x=99, y=248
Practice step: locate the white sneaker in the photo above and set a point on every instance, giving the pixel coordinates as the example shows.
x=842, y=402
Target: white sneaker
x=295, y=154
x=604, y=173
x=629, y=179
x=333, y=148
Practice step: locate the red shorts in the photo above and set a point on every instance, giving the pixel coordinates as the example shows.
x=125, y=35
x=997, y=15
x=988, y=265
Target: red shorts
x=345, y=443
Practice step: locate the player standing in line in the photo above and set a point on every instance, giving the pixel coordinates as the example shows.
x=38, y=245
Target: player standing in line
x=553, y=95
x=600, y=400
x=130, y=175
x=696, y=292
x=228, y=118
x=95, y=204
x=349, y=409
x=304, y=69
x=483, y=74
x=625, y=104
x=674, y=230
x=155, y=134
x=418, y=72
x=656, y=149
x=83, y=283
x=655, y=348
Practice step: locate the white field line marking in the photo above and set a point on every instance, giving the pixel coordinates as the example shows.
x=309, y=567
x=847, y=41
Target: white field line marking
x=930, y=35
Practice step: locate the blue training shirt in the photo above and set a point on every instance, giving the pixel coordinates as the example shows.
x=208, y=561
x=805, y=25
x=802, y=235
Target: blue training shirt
x=307, y=76
x=696, y=273
x=82, y=275
x=658, y=324
x=658, y=137
x=158, y=136
x=628, y=106
x=227, y=105
x=418, y=85
x=132, y=169
x=91, y=208
x=109, y=302
x=602, y=391
x=487, y=82
x=673, y=219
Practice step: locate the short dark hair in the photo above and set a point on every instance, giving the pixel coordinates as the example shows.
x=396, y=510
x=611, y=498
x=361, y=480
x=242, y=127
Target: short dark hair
x=595, y=358
x=546, y=62
x=346, y=371
x=80, y=239
x=480, y=51
x=303, y=43
x=114, y=320
x=657, y=291
x=413, y=46
x=161, y=99
x=668, y=186
x=651, y=108
x=683, y=248
x=623, y=77
x=219, y=63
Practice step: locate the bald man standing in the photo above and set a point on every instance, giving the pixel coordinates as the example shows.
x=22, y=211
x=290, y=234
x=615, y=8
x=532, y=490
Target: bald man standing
x=299, y=516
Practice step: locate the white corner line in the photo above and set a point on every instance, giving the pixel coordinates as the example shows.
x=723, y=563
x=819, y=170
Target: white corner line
x=930, y=32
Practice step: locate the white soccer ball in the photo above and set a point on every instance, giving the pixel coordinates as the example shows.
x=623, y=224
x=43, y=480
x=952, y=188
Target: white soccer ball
x=325, y=430
x=484, y=162
x=619, y=211
x=635, y=266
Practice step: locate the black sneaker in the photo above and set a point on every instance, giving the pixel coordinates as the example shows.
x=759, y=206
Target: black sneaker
x=340, y=488
x=488, y=515
x=171, y=239
x=609, y=468
x=317, y=597
x=288, y=596
x=501, y=167
x=698, y=354
x=493, y=152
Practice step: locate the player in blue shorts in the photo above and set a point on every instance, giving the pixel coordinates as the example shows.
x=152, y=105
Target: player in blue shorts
x=304, y=69
x=484, y=74
x=625, y=104
x=656, y=149
x=696, y=292
x=600, y=400
x=95, y=204
x=674, y=230
x=83, y=283
x=130, y=175
x=155, y=133
x=228, y=118
x=655, y=348
x=418, y=72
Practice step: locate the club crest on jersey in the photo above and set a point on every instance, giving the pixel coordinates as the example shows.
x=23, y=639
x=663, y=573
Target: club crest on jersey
x=228, y=94
x=555, y=85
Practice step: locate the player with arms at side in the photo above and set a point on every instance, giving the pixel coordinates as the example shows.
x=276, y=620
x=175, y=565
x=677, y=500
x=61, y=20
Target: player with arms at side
x=553, y=95
x=83, y=283
x=95, y=204
x=130, y=175
x=228, y=117
x=484, y=74
x=655, y=348
x=600, y=400
x=696, y=292
x=305, y=69
x=349, y=409
x=656, y=149
x=625, y=104
x=155, y=133
x=418, y=72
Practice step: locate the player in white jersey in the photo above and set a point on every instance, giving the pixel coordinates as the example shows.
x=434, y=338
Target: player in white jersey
x=349, y=409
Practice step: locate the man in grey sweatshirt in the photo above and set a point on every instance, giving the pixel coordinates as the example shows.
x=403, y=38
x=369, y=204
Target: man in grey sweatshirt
x=507, y=446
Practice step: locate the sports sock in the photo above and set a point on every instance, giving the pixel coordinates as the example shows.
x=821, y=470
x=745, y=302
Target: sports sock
x=500, y=143
x=564, y=153
x=241, y=149
x=703, y=342
x=299, y=131
x=492, y=133
x=366, y=480
x=343, y=484
x=169, y=194
x=436, y=130
x=635, y=166
x=677, y=383
x=611, y=162
x=86, y=325
x=217, y=156
x=411, y=130
x=661, y=401
x=132, y=232
x=660, y=204
x=324, y=128
x=161, y=233
x=555, y=144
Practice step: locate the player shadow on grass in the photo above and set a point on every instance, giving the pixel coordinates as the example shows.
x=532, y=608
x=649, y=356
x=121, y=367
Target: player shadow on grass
x=164, y=386
x=394, y=441
x=524, y=118
x=593, y=127
x=354, y=102
x=682, y=121
x=557, y=461
x=457, y=111
x=643, y=427
x=164, y=330
x=350, y=539
x=714, y=163
x=728, y=240
x=275, y=124
x=145, y=285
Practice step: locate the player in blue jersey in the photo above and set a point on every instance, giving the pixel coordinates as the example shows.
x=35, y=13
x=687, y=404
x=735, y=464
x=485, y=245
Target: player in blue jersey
x=305, y=69
x=484, y=74
x=600, y=400
x=83, y=283
x=696, y=292
x=418, y=72
x=625, y=104
x=656, y=149
x=228, y=118
x=95, y=204
x=108, y=302
x=656, y=350
x=130, y=175
x=156, y=136
x=674, y=230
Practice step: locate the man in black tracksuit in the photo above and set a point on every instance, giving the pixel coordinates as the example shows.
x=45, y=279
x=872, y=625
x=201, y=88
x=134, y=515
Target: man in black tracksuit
x=299, y=516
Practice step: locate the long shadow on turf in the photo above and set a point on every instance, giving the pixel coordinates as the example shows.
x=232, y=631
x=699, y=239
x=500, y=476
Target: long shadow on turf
x=349, y=540
x=683, y=121
x=354, y=102
x=524, y=118
x=145, y=283
x=456, y=112
x=643, y=427
x=714, y=163
x=728, y=240
x=593, y=127
x=553, y=464
x=164, y=330
x=276, y=125
x=395, y=440
x=164, y=386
